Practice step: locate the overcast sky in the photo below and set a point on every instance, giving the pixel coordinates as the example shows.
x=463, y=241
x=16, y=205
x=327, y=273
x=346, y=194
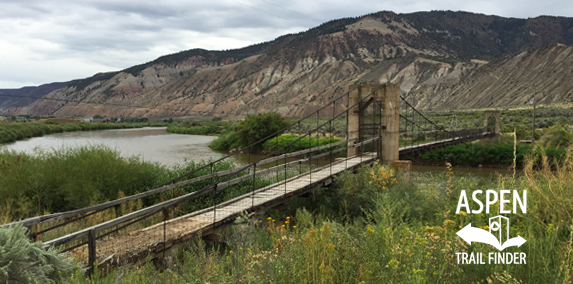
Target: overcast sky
x=44, y=41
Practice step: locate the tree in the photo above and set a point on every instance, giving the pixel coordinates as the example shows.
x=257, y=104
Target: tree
x=259, y=126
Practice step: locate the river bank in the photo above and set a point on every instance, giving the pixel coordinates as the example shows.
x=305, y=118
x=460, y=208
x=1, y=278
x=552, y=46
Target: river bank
x=151, y=144
x=11, y=132
x=71, y=178
x=496, y=155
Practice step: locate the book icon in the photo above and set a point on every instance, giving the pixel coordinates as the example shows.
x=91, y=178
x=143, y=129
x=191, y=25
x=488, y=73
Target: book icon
x=498, y=235
x=499, y=228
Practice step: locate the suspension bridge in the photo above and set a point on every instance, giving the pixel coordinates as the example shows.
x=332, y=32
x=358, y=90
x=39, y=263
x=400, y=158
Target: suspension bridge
x=379, y=124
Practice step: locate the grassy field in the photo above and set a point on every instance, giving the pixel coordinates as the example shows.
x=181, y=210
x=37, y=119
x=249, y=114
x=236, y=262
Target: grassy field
x=370, y=227
x=68, y=179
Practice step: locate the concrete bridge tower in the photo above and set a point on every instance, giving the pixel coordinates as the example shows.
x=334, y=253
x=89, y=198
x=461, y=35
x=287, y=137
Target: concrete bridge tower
x=497, y=115
x=388, y=97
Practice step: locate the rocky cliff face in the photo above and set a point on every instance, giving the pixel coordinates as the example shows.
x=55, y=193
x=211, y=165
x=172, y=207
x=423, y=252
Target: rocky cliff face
x=441, y=60
x=543, y=73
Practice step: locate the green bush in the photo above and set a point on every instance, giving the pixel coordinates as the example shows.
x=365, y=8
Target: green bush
x=205, y=128
x=259, y=126
x=226, y=141
x=24, y=262
x=556, y=136
x=253, y=128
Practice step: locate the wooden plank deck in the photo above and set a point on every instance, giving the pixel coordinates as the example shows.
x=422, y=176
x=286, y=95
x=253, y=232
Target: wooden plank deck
x=134, y=246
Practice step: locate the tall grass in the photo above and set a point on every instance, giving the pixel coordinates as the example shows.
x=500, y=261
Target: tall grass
x=404, y=234
x=68, y=179
x=61, y=180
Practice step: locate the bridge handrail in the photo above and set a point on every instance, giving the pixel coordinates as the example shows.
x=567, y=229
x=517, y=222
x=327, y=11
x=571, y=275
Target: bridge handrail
x=163, y=205
x=112, y=203
x=430, y=121
x=263, y=139
x=68, y=214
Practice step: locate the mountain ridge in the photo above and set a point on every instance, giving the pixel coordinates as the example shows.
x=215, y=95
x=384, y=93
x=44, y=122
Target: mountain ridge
x=428, y=53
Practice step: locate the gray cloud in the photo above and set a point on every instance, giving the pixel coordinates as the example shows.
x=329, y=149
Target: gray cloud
x=59, y=40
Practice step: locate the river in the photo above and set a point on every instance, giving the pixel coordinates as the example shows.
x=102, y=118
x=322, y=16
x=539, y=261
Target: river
x=155, y=144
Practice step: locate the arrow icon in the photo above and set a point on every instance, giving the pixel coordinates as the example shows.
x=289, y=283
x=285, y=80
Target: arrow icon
x=472, y=234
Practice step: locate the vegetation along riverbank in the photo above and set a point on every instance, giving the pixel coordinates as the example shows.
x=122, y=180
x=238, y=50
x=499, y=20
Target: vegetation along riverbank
x=215, y=127
x=67, y=179
x=552, y=144
x=242, y=133
x=11, y=132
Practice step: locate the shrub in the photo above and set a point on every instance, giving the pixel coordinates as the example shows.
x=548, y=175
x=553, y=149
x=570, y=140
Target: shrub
x=252, y=129
x=24, y=262
x=556, y=136
x=195, y=128
x=259, y=126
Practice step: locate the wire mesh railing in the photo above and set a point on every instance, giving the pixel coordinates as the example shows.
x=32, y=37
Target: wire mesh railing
x=419, y=133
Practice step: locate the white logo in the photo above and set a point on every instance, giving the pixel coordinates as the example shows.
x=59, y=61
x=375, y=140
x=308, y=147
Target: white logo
x=498, y=225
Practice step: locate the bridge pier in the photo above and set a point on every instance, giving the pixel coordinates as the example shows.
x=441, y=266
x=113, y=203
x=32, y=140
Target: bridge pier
x=386, y=95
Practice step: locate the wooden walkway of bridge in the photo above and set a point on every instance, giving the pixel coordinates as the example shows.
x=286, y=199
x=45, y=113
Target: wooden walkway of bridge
x=137, y=245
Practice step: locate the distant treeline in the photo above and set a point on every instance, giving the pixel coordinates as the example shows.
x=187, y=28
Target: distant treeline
x=17, y=131
x=199, y=128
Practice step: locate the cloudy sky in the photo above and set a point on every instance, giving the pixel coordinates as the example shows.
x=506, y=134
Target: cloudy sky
x=44, y=41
